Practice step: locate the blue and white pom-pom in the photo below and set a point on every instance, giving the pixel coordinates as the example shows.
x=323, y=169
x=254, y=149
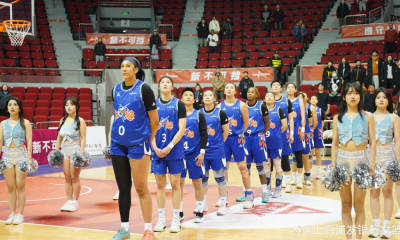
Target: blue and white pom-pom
x=3, y=166
x=80, y=160
x=55, y=158
x=334, y=178
x=361, y=176
x=380, y=178
x=107, y=153
x=393, y=171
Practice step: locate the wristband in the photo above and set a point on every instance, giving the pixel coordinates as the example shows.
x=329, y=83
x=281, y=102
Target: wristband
x=291, y=133
x=203, y=151
x=171, y=145
x=303, y=129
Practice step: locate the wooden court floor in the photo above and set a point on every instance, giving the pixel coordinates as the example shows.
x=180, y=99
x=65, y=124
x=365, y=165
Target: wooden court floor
x=220, y=230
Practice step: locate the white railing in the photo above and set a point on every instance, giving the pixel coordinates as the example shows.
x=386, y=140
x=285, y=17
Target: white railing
x=356, y=19
x=167, y=29
x=375, y=14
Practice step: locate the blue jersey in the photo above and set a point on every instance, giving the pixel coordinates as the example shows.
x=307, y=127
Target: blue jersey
x=273, y=137
x=192, y=136
x=296, y=112
x=283, y=103
x=235, y=118
x=256, y=119
x=215, y=146
x=307, y=128
x=319, y=124
x=131, y=122
x=167, y=129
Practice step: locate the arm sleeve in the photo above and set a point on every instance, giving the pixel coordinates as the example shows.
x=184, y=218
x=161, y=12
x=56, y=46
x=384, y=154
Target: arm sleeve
x=223, y=117
x=203, y=131
x=309, y=113
x=181, y=110
x=290, y=108
x=148, y=98
x=264, y=110
x=323, y=116
x=281, y=114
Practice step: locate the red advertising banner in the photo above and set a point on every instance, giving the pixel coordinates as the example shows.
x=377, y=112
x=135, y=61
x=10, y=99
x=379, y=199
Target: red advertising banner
x=367, y=30
x=123, y=39
x=43, y=142
x=262, y=74
x=314, y=72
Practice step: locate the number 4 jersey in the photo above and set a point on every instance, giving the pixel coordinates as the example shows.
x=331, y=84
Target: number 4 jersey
x=192, y=136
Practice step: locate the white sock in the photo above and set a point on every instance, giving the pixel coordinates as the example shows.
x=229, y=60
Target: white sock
x=148, y=226
x=222, y=201
x=376, y=222
x=176, y=214
x=181, y=207
x=76, y=201
x=199, y=206
x=161, y=213
x=300, y=175
x=386, y=223
x=247, y=190
x=244, y=189
x=70, y=201
x=125, y=225
x=294, y=175
x=287, y=178
x=319, y=169
x=204, y=201
x=264, y=187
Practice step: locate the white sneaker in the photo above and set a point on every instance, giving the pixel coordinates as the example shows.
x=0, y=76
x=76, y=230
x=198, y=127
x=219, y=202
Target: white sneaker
x=248, y=205
x=168, y=187
x=318, y=175
x=308, y=183
x=221, y=211
x=73, y=207
x=116, y=197
x=160, y=226
x=397, y=215
x=299, y=184
x=10, y=219
x=218, y=203
x=18, y=219
x=288, y=188
x=293, y=182
x=374, y=232
x=199, y=217
x=65, y=207
x=175, y=226
x=386, y=233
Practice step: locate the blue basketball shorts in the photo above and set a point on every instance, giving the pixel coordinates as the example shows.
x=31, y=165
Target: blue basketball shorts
x=134, y=151
x=274, y=153
x=173, y=166
x=256, y=148
x=318, y=138
x=195, y=172
x=235, y=144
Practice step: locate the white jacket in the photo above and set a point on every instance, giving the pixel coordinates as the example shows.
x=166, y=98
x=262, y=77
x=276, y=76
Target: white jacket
x=214, y=25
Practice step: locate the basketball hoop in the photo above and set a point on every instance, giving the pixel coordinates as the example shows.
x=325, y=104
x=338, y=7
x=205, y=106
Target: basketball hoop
x=17, y=30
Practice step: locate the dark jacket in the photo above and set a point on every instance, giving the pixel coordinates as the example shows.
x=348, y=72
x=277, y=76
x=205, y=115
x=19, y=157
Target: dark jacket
x=384, y=69
x=326, y=75
x=342, y=11
x=369, y=68
x=155, y=39
x=249, y=82
x=331, y=86
x=202, y=32
x=297, y=28
x=227, y=26
x=279, y=15
x=3, y=99
x=346, y=75
x=198, y=104
x=362, y=75
x=396, y=77
x=262, y=15
x=100, y=49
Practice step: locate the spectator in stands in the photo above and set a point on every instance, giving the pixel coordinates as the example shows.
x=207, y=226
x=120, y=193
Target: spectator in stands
x=155, y=42
x=326, y=75
x=202, y=33
x=344, y=72
x=362, y=5
x=212, y=40
x=387, y=72
x=218, y=82
x=396, y=79
x=200, y=23
x=5, y=95
x=334, y=87
x=276, y=62
x=358, y=74
x=279, y=15
x=214, y=25
x=265, y=17
x=245, y=83
x=227, y=28
x=362, y=90
x=391, y=37
x=323, y=99
x=369, y=97
x=100, y=50
x=341, y=12
x=198, y=97
x=299, y=31
x=374, y=68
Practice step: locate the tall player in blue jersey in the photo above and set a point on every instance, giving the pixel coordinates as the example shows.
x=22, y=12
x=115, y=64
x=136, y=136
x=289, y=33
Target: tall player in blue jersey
x=169, y=152
x=195, y=142
x=299, y=134
x=312, y=127
x=135, y=126
x=318, y=134
x=255, y=138
x=238, y=115
x=287, y=136
x=214, y=158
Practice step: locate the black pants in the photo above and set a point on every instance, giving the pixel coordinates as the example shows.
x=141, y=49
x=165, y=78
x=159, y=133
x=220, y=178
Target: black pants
x=213, y=49
x=388, y=83
x=228, y=35
x=122, y=171
x=266, y=27
x=390, y=47
x=334, y=99
x=244, y=94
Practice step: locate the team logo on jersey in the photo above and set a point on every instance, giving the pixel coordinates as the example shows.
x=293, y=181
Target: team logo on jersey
x=272, y=125
x=232, y=121
x=124, y=113
x=210, y=130
x=166, y=124
x=252, y=122
x=294, y=114
x=188, y=133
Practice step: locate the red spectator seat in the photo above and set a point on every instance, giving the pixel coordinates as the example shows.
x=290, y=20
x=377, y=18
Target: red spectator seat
x=28, y=104
x=43, y=103
x=31, y=96
x=40, y=111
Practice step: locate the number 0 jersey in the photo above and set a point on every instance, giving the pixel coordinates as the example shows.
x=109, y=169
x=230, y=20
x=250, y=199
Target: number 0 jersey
x=131, y=122
x=192, y=138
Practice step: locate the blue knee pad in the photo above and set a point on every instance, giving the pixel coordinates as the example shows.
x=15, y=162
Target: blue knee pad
x=221, y=182
x=260, y=168
x=204, y=181
x=249, y=167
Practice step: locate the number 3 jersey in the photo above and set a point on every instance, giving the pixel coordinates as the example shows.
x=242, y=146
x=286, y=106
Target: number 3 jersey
x=131, y=122
x=192, y=138
x=167, y=129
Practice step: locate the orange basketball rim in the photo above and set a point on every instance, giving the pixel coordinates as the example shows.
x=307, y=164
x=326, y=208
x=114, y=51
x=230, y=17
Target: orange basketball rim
x=13, y=24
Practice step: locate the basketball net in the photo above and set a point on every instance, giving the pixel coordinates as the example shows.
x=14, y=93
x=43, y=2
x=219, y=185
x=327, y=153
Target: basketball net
x=17, y=30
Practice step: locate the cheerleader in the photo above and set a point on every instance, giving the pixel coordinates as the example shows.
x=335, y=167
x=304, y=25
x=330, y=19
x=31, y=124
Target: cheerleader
x=116, y=196
x=214, y=158
x=352, y=128
x=278, y=124
x=134, y=127
x=386, y=125
x=318, y=134
x=169, y=152
x=255, y=137
x=299, y=119
x=13, y=132
x=71, y=138
x=195, y=142
x=238, y=116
